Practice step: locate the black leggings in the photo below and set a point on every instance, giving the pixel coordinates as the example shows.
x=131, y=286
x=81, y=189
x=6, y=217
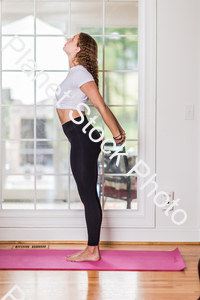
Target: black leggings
x=83, y=159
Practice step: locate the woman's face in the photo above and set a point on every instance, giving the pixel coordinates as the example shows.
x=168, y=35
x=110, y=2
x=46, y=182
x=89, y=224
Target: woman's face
x=70, y=47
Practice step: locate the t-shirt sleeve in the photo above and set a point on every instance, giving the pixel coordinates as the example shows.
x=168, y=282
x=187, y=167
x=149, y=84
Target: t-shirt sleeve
x=81, y=76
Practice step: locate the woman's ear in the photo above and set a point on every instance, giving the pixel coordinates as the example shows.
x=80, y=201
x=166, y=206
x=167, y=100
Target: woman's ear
x=77, y=49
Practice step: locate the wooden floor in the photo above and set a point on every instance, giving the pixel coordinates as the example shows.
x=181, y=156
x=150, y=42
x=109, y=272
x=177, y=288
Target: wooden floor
x=96, y=285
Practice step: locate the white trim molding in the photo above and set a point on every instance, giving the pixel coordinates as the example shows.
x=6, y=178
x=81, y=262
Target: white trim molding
x=107, y=234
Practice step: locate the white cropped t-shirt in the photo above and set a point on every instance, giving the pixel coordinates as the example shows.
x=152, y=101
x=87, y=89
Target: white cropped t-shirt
x=71, y=94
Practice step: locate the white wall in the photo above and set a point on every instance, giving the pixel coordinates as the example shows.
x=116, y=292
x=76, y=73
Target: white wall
x=178, y=83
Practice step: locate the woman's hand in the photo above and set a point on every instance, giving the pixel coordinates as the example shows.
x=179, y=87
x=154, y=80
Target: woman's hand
x=119, y=140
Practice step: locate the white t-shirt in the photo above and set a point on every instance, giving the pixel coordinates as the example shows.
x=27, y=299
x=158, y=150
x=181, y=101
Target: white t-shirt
x=71, y=94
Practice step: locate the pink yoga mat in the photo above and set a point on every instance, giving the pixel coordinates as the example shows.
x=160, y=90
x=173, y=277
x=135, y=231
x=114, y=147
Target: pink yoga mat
x=111, y=260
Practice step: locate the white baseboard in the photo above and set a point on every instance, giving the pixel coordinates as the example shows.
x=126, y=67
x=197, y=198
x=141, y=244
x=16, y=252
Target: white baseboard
x=107, y=234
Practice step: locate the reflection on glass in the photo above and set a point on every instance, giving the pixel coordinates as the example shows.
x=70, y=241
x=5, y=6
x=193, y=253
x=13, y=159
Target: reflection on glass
x=75, y=201
x=18, y=192
x=121, y=88
x=17, y=122
x=121, y=18
x=86, y=16
x=127, y=117
x=52, y=17
x=48, y=125
x=17, y=88
x=120, y=192
x=51, y=157
x=121, y=53
x=52, y=192
x=16, y=20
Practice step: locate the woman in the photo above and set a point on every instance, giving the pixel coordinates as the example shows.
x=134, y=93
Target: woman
x=80, y=84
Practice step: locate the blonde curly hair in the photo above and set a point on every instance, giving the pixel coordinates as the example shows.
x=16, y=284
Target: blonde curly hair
x=87, y=56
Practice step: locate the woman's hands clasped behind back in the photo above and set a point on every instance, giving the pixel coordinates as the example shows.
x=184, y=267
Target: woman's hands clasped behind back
x=120, y=139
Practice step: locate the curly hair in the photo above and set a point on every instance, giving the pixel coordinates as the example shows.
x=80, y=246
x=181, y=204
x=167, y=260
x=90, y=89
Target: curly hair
x=87, y=56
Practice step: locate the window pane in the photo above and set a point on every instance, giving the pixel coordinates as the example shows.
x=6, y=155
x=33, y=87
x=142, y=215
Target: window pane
x=127, y=117
x=18, y=192
x=48, y=124
x=121, y=88
x=121, y=53
x=52, y=17
x=16, y=20
x=17, y=122
x=120, y=192
x=15, y=47
x=52, y=157
x=52, y=192
x=126, y=162
x=94, y=113
x=121, y=17
x=17, y=88
x=86, y=16
x=50, y=54
x=17, y=157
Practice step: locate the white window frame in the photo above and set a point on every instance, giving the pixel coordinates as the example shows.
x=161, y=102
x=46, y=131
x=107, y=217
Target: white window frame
x=144, y=216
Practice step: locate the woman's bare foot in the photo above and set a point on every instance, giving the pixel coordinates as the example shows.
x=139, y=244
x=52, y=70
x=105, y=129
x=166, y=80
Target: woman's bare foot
x=79, y=252
x=90, y=253
x=75, y=254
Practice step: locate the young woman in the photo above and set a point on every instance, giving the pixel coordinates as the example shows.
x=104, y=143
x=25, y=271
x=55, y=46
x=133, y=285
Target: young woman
x=80, y=84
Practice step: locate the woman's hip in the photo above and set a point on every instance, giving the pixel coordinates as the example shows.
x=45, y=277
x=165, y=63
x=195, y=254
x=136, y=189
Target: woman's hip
x=81, y=131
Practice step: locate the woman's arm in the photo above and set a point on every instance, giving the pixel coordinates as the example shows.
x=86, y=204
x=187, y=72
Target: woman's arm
x=120, y=138
x=119, y=127
x=91, y=91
